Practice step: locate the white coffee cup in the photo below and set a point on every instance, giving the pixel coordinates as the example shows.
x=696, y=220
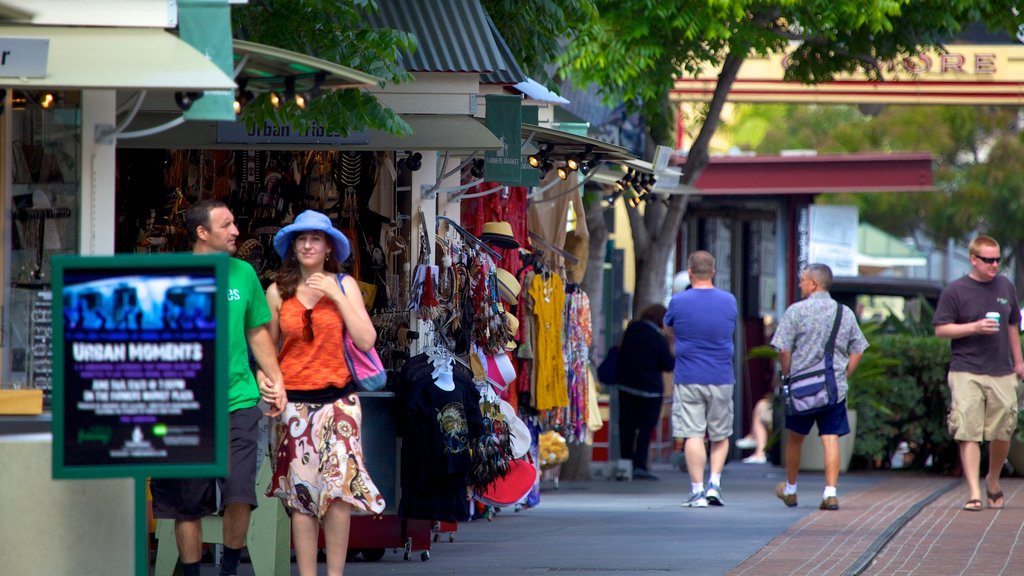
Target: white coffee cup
x=993, y=316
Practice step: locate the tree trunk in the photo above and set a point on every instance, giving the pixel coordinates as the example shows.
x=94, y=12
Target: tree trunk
x=593, y=280
x=653, y=239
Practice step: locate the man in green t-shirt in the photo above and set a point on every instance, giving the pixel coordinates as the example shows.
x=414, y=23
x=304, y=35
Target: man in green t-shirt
x=211, y=227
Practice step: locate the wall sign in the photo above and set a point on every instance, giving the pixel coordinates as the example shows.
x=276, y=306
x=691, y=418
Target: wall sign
x=139, y=366
x=505, y=121
x=238, y=133
x=23, y=57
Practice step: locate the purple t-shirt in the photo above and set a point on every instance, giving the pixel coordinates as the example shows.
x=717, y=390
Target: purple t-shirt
x=967, y=300
x=704, y=321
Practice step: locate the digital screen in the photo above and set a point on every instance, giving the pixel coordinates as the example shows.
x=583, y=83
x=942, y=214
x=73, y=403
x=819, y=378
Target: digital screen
x=136, y=381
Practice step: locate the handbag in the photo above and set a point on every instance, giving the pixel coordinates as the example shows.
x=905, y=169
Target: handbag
x=367, y=371
x=814, y=389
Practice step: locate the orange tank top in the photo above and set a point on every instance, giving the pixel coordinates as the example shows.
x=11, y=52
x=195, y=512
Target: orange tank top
x=312, y=365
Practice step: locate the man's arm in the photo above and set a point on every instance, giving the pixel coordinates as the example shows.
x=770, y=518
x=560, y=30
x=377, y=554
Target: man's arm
x=851, y=365
x=785, y=360
x=272, y=385
x=1018, y=362
x=954, y=331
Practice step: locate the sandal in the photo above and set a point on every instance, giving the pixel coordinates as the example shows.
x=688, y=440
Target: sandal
x=992, y=497
x=973, y=505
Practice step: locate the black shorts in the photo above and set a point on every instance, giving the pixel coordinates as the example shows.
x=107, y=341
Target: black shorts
x=191, y=499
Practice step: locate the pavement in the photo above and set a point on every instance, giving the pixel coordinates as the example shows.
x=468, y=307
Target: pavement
x=888, y=523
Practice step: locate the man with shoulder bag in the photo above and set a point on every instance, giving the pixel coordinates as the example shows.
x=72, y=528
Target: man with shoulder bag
x=820, y=345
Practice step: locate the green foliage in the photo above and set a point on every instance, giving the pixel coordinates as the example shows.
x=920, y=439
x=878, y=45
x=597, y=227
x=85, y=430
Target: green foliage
x=638, y=47
x=336, y=31
x=536, y=31
x=913, y=403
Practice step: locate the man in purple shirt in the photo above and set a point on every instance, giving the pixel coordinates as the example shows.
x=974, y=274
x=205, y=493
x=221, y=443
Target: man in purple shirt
x=703, y=320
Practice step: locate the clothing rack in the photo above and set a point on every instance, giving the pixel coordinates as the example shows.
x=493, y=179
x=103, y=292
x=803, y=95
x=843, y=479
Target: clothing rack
x=469, y=236
x=572, y=259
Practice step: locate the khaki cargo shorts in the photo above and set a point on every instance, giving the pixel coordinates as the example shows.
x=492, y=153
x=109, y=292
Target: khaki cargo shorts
x=700, y=408
x=982, y=407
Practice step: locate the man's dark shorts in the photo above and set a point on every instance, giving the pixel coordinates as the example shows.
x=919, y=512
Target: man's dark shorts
x=192, y=499
x=830, y=421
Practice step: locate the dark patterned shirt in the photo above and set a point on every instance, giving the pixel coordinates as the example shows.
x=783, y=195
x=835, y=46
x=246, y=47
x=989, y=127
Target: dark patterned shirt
x=804, y=331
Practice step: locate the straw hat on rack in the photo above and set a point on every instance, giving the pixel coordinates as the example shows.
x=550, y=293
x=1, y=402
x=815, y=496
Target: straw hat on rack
x=513, y=327
x=508, y=286
x=499, y=234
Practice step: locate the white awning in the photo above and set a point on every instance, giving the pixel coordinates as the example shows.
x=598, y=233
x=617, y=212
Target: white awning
x=117, y=58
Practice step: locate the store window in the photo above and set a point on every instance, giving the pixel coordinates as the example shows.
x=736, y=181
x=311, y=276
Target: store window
x=43, y=198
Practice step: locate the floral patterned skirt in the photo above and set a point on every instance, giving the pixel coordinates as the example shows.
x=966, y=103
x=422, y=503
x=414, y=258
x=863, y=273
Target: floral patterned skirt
x=320, y=458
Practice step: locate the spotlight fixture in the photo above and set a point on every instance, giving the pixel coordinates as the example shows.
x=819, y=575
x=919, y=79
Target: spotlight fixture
x=546, y=167
x=477, y=169
x=414, y=162
x=563, y=172
x=634, y=201
x=185, y=100
x=275, y=100
x=46, y=100
x=290, y=95
x=613, y=197
x=573, y=163
x=537, y=160
x=651, y=181
x=242, y=96
x=318, y=81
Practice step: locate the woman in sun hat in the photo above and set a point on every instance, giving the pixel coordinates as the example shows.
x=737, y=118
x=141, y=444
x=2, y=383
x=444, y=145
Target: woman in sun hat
x=319, y=473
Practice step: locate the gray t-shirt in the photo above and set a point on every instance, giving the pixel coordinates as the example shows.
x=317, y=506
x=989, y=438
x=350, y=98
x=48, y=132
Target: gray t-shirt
x=967, y=300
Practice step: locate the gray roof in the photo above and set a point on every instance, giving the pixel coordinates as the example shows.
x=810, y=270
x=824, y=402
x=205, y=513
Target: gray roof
x=512, y=74
x=453, y=35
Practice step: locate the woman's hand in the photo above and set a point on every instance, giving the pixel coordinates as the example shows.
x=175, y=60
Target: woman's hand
x=326, y=283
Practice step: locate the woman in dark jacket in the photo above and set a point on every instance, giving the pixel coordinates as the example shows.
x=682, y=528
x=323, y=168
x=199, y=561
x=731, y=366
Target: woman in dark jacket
x=644, y=357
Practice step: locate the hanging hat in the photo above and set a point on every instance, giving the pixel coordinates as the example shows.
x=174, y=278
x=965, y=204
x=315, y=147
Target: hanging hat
x=499, y=234
x=512, y=487
x=513, y=328
x=520, y=432
x=508, y=286
x=312, y=220
x=500, y=369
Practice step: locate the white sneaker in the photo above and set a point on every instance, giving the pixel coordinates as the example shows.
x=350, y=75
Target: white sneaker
x=714, y=495
x=696, y=500
x=754, y=460
x=746, y=443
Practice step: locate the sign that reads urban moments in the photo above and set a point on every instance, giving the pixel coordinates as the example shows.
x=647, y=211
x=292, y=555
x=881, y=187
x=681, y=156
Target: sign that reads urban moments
x=505, y=121
x=140, y=366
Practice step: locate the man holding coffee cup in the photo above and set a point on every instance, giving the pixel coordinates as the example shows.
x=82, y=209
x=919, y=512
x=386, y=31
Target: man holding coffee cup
x=979, y=313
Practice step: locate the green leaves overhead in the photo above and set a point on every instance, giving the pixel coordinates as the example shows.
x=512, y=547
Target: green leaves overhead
x=333, y=30
x=636, y=49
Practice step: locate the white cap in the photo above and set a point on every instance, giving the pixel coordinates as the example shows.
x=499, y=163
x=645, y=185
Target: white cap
x=680, y=282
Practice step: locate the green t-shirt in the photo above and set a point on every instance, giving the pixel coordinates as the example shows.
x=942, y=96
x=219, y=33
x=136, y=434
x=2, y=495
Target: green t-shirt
x=247, y=308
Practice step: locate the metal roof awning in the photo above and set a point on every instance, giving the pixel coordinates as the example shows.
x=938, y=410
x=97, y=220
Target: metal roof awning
x=566, y=144
x=266, y=67
x=117, y=58
x=457, y=134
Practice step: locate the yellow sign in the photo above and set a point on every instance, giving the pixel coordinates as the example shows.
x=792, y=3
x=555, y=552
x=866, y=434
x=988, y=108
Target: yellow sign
x=969, y=74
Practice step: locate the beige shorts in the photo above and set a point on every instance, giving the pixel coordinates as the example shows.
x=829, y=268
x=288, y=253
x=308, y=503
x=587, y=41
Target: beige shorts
x=702, y=408
x=982, y=407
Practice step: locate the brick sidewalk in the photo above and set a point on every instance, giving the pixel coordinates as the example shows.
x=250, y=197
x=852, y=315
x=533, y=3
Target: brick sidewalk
x=943, y=539
x=831, y=542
